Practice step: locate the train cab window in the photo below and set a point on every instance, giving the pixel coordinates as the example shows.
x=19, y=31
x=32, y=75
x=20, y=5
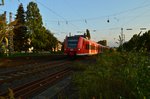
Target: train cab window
x=72, y=42
x=91, y=47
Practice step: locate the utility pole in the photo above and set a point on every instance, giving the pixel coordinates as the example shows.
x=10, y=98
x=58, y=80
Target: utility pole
x=122, y=38
x=122, y=34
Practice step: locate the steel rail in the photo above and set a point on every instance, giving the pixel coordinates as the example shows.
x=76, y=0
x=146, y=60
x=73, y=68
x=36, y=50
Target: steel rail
x=41, y=67
x=28, y=89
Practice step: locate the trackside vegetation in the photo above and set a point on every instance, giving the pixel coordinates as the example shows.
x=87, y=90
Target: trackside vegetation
x=31, y=54
x=115, y=75
x=26, y=33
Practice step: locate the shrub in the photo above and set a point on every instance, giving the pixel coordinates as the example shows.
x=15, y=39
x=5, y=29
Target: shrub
x=114, y=76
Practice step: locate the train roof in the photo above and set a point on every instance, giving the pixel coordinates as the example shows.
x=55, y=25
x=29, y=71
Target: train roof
x=77, y=36
x=84, y=37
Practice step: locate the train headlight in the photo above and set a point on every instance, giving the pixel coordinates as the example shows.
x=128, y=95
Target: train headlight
x=78, y=49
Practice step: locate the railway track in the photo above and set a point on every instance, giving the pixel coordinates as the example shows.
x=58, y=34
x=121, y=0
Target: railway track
x=27, y=90
x=7, y=76
x=32, y=74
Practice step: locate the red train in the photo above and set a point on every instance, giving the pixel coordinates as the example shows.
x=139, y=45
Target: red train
x=80, y=45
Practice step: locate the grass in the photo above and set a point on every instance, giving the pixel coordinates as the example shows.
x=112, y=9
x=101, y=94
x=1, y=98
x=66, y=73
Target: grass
x=115, y=76
x=18, y=54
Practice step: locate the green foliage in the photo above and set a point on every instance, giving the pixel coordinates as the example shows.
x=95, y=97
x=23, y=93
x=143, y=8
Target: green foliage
x=5, y=32
x=28, y=31
x=2, y=20
x=36, y=30
x=103, y=42
x=41, y=38
x=138, y=42
x=2, y=32
x=51, y=41
x=2, y=27
x=115, y=76
x=20, y=37
x=34, y=19
x=18, y=54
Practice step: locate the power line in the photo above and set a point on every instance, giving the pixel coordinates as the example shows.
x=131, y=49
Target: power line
x=139, y=15
x=56, y=14
x=83, y=19
x=99, y=17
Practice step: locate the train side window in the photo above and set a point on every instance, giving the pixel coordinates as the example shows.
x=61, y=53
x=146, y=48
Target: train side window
x=92, y=47
x=87, y=46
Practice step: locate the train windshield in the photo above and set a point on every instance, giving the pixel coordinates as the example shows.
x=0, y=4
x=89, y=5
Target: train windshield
x=72, y=42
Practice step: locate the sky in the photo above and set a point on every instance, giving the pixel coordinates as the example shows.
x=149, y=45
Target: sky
x=62, y=17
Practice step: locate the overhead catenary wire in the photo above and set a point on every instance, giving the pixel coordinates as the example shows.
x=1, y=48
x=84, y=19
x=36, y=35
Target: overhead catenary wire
x=93, y=18
x=52, y=11
x=76, y=12
x=134, y=18
x=86, y=20
x=99, y=17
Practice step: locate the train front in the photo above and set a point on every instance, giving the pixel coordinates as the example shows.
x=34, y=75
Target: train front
x=70, y=45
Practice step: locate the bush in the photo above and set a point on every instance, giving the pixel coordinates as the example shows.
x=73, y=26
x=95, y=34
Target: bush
x=115, y=76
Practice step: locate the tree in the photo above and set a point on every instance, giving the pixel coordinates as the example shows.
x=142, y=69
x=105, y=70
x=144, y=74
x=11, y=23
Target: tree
x=51, y=42
x=35, y=28
x=3, y=35
x=103, y=42
x=138, y=42
x=6, y=31
x=144, y=42
x=20, y=37
x=2, y=25
x=2, y=20
x=88, y=34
